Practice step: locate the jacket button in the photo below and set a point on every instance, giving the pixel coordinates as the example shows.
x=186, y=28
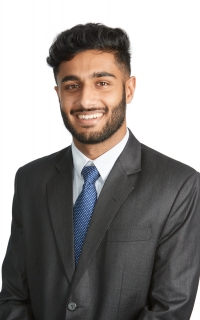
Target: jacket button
x=71, y=306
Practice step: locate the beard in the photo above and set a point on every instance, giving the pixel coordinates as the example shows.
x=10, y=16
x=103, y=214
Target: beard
x=112, y=125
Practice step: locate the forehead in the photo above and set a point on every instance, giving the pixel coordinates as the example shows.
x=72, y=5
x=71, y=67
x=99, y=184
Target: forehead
x=88, y=62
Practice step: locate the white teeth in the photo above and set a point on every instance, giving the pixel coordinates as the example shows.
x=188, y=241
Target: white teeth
x=90, y=116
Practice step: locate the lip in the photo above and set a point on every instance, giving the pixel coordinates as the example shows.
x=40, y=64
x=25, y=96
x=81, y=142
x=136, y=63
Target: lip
x=90, y=116
x=87, y=112
x=88, y=121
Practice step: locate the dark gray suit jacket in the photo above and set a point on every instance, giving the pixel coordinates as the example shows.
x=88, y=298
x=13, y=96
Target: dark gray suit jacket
x=141, y=256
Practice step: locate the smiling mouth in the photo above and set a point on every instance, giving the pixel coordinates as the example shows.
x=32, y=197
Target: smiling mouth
x=89, y=116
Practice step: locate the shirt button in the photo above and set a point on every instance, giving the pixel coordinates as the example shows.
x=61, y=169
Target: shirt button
x=71, y=306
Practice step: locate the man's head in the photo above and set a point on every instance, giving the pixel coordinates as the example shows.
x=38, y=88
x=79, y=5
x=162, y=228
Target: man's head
x=91, y=66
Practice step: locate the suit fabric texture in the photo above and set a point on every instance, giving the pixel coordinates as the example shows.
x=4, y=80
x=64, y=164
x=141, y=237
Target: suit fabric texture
x=140, y=259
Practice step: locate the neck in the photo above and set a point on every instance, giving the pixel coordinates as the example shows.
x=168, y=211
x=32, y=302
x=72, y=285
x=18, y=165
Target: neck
x=93, y=151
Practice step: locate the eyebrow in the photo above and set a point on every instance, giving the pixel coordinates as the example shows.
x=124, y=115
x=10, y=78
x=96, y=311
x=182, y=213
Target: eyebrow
x=92, y=76
x=102, y=74
x=70, y=78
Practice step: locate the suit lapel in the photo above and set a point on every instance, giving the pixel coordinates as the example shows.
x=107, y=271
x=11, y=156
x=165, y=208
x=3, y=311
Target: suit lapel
x=59, y=191
x=119, y=184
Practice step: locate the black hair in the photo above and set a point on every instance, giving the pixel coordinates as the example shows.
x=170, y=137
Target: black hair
x=90, y=36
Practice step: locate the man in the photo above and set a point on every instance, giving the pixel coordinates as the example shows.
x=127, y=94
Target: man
x=107, y=228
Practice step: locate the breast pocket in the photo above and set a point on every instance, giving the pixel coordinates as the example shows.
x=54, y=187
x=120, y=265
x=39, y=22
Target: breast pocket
x=128, y=235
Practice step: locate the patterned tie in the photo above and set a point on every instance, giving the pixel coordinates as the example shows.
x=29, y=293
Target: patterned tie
x=84, y=207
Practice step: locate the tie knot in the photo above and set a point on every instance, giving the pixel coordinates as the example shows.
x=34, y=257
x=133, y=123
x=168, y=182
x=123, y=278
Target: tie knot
x=90, y=174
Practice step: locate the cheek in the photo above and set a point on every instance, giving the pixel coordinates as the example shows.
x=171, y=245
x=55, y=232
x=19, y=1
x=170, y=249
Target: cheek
x=113, y=99
x=66, y=102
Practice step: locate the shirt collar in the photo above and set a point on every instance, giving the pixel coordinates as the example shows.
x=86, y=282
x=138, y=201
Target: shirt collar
x=108, y=158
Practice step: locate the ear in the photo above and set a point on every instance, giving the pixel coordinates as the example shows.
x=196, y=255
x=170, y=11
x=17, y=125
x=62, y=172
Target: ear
x=130, y=89
x=57, y=91
x=56, y=88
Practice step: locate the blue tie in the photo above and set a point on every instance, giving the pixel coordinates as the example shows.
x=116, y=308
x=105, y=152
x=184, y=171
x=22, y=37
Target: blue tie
x=84, y=207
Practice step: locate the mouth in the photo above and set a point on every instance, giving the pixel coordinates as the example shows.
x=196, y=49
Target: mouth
x=90, y=116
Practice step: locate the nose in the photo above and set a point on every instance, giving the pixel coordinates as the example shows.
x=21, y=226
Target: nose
x=87, y=98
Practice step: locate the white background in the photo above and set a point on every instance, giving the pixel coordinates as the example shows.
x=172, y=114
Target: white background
x=165, y=112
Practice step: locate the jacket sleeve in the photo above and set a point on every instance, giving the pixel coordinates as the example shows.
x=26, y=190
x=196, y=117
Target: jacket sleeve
x=177, y=262
x=14, y=298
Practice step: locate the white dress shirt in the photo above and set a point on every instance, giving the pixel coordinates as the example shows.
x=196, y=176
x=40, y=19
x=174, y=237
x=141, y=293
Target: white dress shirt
x=104, y=164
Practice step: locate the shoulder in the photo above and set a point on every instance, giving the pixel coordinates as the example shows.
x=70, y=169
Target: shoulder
x=42, y=167
x=162, y=168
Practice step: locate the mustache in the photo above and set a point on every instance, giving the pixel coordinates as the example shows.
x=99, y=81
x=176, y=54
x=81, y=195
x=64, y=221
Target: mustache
x=105, y=109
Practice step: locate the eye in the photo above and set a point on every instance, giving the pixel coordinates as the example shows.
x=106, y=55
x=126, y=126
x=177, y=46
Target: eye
x=72, y=86
x=102, y=84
